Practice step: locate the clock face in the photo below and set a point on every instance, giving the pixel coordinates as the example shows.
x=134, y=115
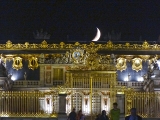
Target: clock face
x=76, y=54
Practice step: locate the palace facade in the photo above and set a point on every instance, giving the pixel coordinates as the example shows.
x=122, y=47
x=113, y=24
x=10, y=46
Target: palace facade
x=45, y=79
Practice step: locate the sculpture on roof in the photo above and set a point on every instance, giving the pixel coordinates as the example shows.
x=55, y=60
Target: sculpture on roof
x=113, y=36
x=8, y=84
x=41, y=35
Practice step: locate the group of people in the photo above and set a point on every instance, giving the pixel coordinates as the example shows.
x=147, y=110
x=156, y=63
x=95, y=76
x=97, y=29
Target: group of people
x=114, y=115
x=76, y=116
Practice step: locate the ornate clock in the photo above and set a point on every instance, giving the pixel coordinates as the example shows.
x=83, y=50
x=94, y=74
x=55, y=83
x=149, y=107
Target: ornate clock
x=77, y=55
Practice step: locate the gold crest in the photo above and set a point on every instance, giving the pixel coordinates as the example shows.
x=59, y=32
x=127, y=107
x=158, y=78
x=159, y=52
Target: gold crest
x=137, y=64
x=33, y=63
x=17, y=63
x=121, y=64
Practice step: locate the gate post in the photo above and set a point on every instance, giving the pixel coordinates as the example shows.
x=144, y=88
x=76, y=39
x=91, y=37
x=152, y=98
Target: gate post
x=62, y=107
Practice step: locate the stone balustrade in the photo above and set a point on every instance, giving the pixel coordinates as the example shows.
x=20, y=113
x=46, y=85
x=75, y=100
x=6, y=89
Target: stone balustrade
x=133, y=84
x=27, y=83
x=33, y=83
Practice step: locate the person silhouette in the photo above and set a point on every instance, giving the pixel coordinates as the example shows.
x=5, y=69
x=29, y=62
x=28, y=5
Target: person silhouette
x=72, y=115
x=133, y=115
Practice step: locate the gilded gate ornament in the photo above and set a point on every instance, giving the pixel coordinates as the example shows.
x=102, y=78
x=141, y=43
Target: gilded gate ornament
x=145, y=45
x=33, y=63
x=91, y=47
x=121, y=64
x=109, y=44
x=44, y=44
x=26, y=44
x=17, y=63
x=129, y=57
x=9, y=44
x=92, y=61
x=137, y=64
x=145, y=57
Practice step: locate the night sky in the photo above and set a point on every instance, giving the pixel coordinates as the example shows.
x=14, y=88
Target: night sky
x=78, y=20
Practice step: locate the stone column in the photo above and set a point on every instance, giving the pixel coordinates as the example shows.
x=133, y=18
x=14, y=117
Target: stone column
x=42, y=75
x=120, y=101
x=62, y=107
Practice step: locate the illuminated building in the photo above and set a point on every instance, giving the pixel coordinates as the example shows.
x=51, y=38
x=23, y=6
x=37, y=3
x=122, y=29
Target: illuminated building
x=91, y=75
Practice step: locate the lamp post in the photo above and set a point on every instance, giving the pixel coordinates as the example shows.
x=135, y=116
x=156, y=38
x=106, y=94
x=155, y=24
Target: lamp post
x=25, y=76
x=129, y=76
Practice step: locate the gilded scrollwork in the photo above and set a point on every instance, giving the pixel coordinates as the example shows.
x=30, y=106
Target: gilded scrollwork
x=33, y=63
x=155, y=46
x=17, y=63
x=145, y=57
x=81, y=54
x=137, y=64
x=91, y=47
x=121, y=64
x=127, y=45
x=91, y=62
x=129, y=57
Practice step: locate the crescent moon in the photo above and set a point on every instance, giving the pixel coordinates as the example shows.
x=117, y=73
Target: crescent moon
x=98, y=35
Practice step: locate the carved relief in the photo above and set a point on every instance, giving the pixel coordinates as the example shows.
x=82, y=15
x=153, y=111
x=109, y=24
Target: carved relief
x=121, y=64
x=48, y=77
x=92, y=61
x=41, y=58
x=17, y=63
x=104, y=59
x=137, y=64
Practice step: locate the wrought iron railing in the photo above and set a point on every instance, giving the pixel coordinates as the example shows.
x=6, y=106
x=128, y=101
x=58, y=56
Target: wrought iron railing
x=26, y=104
x=147, y=103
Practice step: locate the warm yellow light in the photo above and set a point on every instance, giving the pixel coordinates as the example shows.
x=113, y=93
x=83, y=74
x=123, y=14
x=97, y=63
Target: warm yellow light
x=120, y=92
